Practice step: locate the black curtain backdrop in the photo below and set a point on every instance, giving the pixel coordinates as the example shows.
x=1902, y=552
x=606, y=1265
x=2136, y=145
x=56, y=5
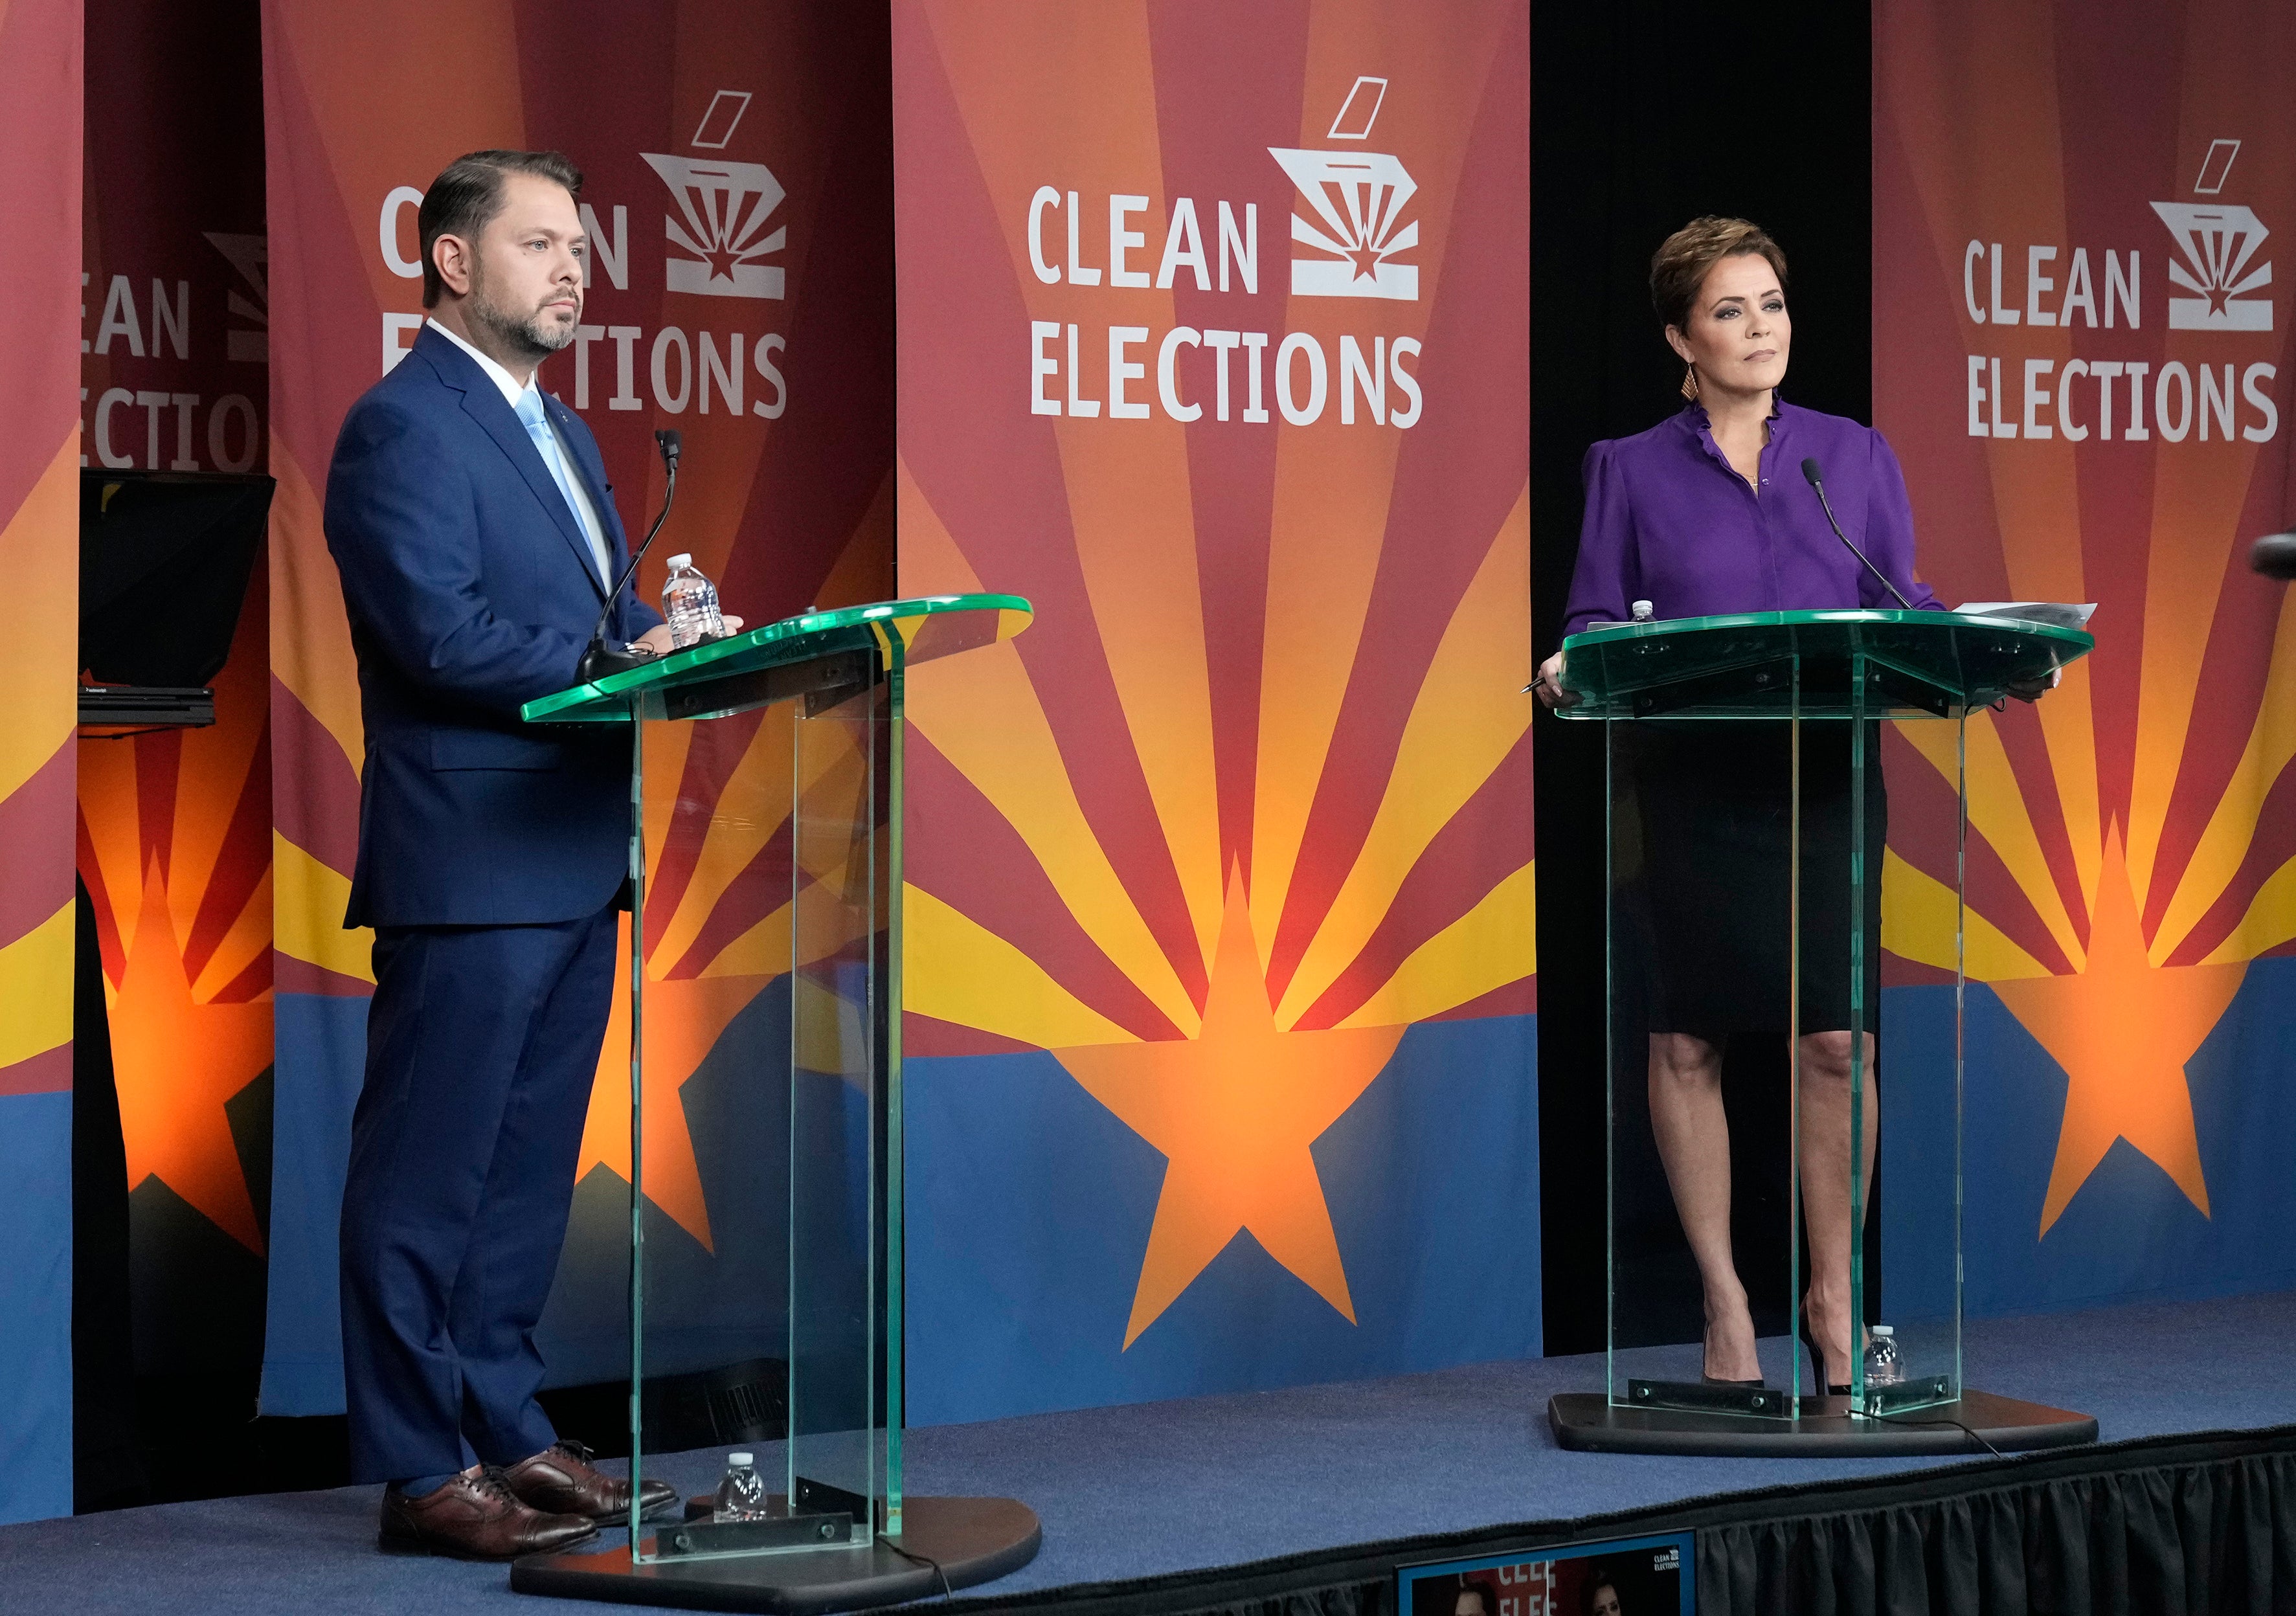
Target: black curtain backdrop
x=1646, y=114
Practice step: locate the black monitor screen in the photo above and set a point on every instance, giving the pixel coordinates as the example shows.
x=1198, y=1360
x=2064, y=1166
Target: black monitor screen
x=164, y=559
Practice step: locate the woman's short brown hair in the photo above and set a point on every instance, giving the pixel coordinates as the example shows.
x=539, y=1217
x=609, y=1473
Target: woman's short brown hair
x=1678, y=268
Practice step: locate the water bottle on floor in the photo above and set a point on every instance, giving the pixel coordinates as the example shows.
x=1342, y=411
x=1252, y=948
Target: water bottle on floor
x=689, y=603
x=1882, y=1366
x=741, y=1495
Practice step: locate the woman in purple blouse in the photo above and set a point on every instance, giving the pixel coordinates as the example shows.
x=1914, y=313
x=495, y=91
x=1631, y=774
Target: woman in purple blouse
x=1710, y=512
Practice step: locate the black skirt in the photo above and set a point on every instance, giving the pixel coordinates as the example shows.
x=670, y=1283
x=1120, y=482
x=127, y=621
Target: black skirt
x=1715, y=805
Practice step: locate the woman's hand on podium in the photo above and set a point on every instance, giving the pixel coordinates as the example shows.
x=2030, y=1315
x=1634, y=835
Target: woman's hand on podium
x=1549, y=684
x=2033, y=690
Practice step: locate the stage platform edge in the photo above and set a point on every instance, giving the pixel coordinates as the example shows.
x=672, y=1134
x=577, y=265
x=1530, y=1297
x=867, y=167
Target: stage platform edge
x=974, y=1541
x=1587, y=1421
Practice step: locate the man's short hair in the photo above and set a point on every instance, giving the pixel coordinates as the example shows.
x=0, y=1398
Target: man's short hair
x=467, y=194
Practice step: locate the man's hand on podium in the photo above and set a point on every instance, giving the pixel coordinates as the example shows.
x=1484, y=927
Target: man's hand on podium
x=656, y=639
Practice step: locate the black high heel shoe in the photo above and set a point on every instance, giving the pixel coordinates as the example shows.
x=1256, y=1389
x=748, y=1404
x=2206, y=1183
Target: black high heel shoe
x=1817, y=1360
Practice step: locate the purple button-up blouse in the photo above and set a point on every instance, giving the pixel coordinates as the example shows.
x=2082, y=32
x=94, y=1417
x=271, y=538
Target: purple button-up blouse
x=1669, y=521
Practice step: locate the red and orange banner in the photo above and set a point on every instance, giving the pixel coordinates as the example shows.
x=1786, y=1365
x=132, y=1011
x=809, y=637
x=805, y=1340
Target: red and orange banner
x=175, y=828
x=2082, y=356
x=39, y=552
x=1219, y=920
x=737, y=165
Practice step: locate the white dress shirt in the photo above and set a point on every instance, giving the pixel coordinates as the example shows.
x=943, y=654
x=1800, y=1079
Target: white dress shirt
x=585, y=513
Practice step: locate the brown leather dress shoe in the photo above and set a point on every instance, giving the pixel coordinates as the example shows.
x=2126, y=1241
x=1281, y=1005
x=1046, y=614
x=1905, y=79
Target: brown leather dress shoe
x=560, y=1479
x=475, y=1517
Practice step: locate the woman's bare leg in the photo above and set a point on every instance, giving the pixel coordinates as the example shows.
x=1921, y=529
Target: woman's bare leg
x=1824, y=1140
x=1694, y=1141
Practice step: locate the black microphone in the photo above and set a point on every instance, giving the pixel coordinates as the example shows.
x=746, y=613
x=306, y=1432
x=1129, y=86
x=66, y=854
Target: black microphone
x=597, y=660
x=1809, y=470
x=2274, y=555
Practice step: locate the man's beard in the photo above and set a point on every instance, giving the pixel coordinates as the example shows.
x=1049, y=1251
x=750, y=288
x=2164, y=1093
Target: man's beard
x=525, y=335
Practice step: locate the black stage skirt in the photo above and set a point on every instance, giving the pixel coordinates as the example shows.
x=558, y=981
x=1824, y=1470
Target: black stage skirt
x=1715, y=803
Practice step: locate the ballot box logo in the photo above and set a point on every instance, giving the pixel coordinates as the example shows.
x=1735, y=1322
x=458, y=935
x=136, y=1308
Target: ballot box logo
x=2217, y=244
x=718, y=234
x=251, y=300
x=1353, y=224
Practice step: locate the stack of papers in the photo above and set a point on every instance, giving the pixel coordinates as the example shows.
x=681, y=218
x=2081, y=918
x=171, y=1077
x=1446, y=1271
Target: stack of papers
x=2054, y=613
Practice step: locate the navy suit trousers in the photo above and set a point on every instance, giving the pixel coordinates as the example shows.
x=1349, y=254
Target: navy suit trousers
x=482, y=1045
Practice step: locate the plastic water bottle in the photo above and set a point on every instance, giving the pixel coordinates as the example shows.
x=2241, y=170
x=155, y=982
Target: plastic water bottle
x=741, y=1495
x=1882, y=1366
x=1642, y=610
x=689, y=603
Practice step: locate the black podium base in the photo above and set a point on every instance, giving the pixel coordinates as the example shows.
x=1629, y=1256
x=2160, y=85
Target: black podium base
x=1586, y=1422
x=974, y=1541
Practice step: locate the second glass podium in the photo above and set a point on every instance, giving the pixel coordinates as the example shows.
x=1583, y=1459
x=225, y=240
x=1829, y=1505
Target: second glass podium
x=1747, y=1076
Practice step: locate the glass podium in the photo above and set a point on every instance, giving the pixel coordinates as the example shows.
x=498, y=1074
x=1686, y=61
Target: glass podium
x=766, y=1315
x=1747, y=1075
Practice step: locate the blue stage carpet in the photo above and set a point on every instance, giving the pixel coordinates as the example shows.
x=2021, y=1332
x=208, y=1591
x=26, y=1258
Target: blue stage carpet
x=1169, y=1486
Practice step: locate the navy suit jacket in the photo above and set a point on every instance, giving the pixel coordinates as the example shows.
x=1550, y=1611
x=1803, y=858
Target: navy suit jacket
x=471, y=590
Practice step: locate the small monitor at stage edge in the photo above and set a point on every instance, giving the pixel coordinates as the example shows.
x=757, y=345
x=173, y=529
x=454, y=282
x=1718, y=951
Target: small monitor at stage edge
x=1617, y=1577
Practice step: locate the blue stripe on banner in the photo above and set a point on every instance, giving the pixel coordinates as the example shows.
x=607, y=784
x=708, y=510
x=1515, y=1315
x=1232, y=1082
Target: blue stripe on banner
x=322, y=1058
x=1029, y=1207
x=2128, y=1233
x=36, y=1270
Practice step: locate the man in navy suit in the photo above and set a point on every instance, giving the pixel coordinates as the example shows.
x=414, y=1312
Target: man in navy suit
x=475, y=531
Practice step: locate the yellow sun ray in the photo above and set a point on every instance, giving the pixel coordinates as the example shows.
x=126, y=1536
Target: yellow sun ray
x=666, y=749
x=1492, y=945
x=979, y=979
x=310, y=899
x=248, y=940
x=982, y=712
x=752, y=806
x=2270, y=921
x=1918, y=914
x=310, y=641
x=1124, y=502
x=1148, y=607
x=36, y=977
x=2069, y=735
x=2224, y=844
x=108, y=804
x=1466, y=718
x=1324, y=546
x=1999, y=813
x=2003, y=168
x=41, y=713
x=2197, y=496
x=218, y=757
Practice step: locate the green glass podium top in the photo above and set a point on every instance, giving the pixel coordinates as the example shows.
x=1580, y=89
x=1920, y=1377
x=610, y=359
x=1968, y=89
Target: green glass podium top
x=908, y=632
x=1784, y=664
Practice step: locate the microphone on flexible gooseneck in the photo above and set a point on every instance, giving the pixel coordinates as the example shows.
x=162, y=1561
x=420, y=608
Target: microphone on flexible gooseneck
x=1809, y=470
x=598, y=660
x=2274, y=555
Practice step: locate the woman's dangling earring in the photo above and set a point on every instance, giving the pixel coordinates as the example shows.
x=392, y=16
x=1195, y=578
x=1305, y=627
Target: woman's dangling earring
x=1690, y=382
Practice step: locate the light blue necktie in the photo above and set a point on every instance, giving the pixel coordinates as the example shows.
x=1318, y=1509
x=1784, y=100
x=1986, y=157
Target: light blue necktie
x=538, y=427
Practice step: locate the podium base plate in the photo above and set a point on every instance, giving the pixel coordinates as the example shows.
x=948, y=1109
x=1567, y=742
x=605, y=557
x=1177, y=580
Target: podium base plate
x=975, y=1540
x=1586, y=1422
